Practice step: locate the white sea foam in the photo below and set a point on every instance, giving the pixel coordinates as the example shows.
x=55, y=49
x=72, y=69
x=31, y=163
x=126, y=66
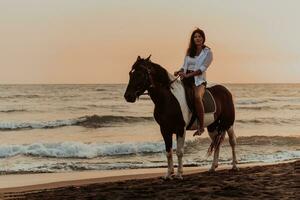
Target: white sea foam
x=270, y=158
x=54, y=165
x=79, y=150
x=93, y=121
x=38, y=125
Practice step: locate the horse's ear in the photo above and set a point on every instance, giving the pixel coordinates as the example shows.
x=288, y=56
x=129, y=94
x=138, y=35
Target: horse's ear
x=148, y=59
x=138, y=58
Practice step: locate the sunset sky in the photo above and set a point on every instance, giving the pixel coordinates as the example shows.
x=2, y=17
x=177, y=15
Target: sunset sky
x=97, y=41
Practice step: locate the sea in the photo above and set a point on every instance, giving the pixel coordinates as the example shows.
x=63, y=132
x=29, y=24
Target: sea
x=65, y=128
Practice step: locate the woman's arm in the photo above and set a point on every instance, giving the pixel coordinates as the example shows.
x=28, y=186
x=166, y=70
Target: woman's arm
x=183, y=68
x=207, y=61
x=202, y=67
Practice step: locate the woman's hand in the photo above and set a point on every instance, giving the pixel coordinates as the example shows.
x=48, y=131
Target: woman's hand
x=191, y=74
x=178, y=73
x=183, y=75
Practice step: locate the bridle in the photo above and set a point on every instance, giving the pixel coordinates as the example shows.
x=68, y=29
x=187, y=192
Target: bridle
x=149, y=77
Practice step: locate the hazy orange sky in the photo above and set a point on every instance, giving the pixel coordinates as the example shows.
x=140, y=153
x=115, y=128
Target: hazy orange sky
x=97, y=41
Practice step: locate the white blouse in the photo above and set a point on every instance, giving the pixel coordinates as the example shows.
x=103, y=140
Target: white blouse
x=200, y=62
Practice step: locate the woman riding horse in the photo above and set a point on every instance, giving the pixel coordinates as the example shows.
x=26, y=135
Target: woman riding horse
x=171, y=109
x=197, y=60
x=173, y=115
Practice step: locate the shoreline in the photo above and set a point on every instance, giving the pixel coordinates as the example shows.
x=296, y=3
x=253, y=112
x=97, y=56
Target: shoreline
x=27, y=183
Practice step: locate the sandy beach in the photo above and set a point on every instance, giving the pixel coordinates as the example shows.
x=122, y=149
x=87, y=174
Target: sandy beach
x=276, y=181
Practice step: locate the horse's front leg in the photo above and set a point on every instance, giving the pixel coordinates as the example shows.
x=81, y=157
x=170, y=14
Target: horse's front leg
x=179, y=151
x=169, y=152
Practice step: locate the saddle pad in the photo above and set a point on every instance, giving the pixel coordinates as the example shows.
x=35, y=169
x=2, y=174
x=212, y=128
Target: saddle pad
x=208, y=102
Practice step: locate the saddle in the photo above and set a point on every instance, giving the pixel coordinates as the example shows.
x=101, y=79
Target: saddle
x=208, y=100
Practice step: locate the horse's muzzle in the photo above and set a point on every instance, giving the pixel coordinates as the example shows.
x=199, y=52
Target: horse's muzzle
x=130, y=98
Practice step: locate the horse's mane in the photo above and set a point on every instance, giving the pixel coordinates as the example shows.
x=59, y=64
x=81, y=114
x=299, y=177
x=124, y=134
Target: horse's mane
x=159, y=74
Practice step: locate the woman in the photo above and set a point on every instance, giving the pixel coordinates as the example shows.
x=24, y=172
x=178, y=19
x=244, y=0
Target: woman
x=197, y=60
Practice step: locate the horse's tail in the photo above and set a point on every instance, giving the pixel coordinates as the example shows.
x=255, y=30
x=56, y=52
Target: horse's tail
x=225, y=120
x=216, y=142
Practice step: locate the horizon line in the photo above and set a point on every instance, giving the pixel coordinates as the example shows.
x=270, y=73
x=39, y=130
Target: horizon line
x=127, y=83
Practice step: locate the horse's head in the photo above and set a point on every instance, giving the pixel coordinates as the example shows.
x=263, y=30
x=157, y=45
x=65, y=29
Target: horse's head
x=139, y=79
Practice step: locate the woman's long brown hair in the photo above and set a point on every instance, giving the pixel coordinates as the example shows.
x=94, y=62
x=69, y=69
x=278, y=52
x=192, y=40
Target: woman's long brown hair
x=191, y=51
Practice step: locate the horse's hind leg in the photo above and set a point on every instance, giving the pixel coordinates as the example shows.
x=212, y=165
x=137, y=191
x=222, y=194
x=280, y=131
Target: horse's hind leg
x=179, y=152
x=232, y=141
x=214, y=164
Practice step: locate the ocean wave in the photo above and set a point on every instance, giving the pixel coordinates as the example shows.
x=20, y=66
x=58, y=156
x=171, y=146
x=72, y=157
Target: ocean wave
x=75, y=108
x=266, y=121
x=100, y=89
x=94, y=150
x=202, y=143
x=250, y=101
x=79, y=150
x=94, y=121
x=265, y=107
x=269, y=140
x=22, y=96
x=13, y=110
x=256, y=107
x=285, y=99
x=254, y=101
x=68, y=165
x=270, y=157
x=112, y=106
x=291, y=107
x=6, y=126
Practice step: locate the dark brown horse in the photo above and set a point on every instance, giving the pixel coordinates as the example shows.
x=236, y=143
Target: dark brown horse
x=173, y=114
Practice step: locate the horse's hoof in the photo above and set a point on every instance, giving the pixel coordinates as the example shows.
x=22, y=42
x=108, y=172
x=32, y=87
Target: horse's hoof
x=211, y=171
x=235, y=169
x=178, y=177
x=198, y=133
x=167, y=177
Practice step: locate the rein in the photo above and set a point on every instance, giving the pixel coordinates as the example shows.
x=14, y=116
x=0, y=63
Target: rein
x=170, y=83
x=174, y=80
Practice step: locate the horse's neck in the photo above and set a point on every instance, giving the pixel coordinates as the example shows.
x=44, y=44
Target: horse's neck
x=159, y=92
x=158, y=95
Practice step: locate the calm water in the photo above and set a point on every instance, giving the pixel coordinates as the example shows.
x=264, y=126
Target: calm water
x=49, y=128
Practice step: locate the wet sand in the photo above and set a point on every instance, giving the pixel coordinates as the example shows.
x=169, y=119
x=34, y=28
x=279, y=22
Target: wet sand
x=278, y=181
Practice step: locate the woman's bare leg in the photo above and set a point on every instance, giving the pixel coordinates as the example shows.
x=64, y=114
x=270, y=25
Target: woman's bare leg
x=199, y=92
